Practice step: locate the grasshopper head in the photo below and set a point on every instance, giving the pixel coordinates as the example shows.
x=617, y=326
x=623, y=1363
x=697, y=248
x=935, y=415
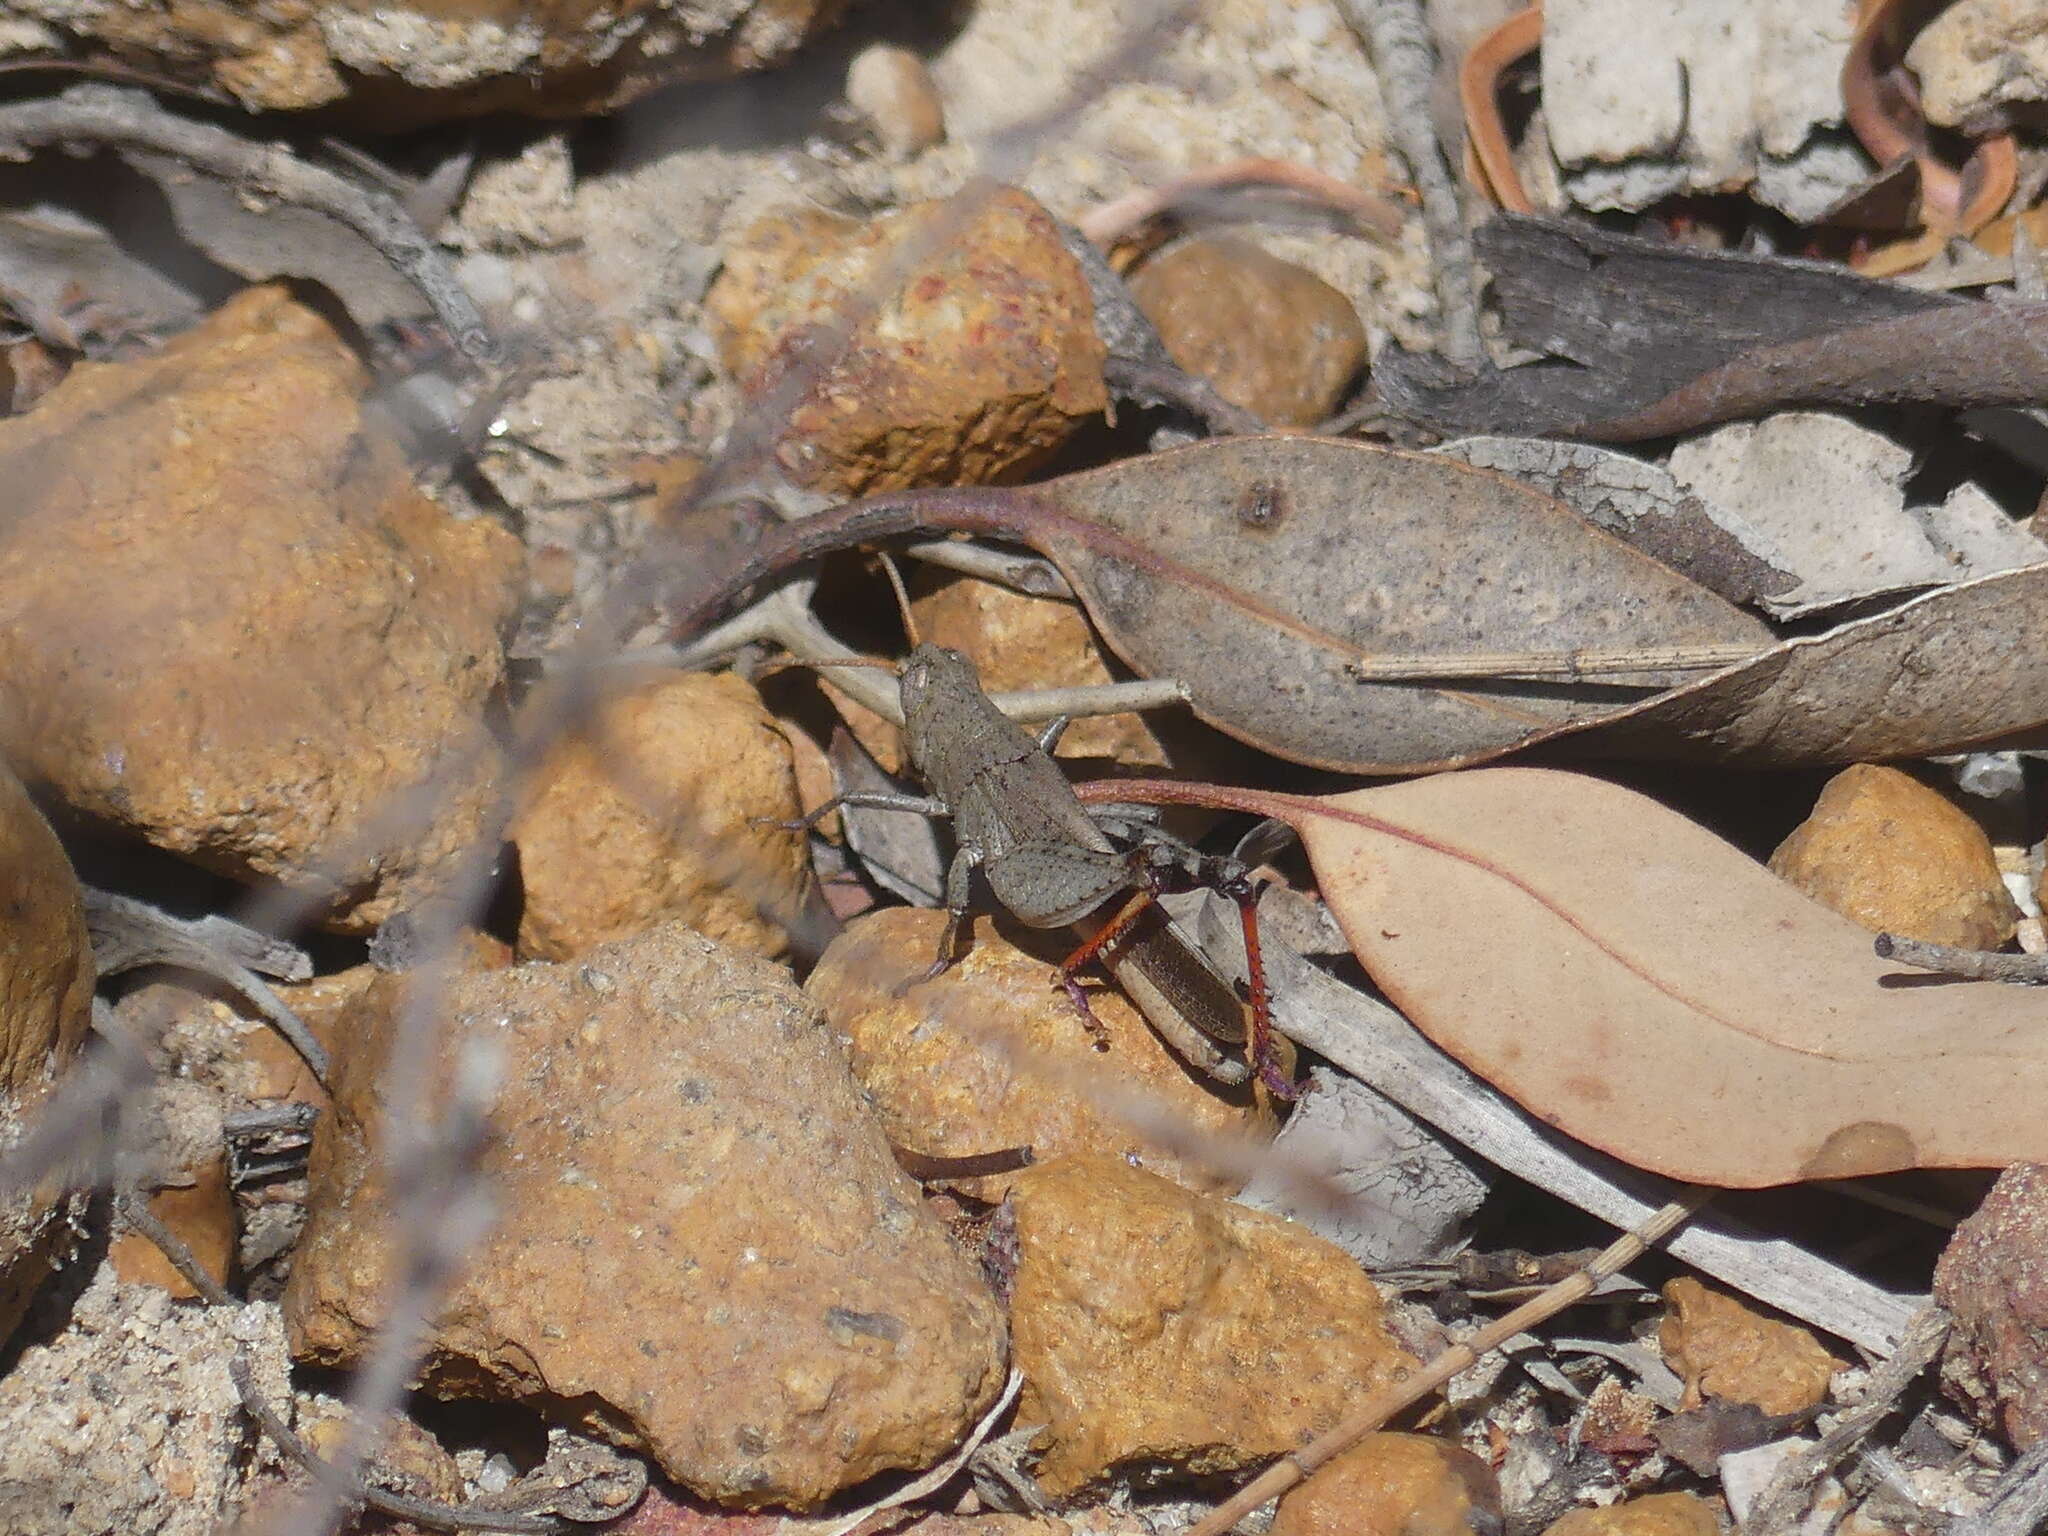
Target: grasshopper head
x=933, y=680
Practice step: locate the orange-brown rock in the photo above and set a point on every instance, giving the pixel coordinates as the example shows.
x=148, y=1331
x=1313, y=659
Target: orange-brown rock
x=1992, y=1280
x=1271, y=336
x=230, y=625
x=1724, y=1349
x=1167, y=1328
x=703, y=1247
x=1395, y=1485
x=178, y=1156
x=1661, y=1514
x=423, y=60
x=1019, y=642
x=1884, y=849
x=661, y=811
x=990, y=1055
x=981, y=364
x=46, y=982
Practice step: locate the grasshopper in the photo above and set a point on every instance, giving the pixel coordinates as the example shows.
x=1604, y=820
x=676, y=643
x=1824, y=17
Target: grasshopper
x=1051, y=864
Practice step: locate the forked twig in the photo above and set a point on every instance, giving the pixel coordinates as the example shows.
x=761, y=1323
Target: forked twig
x=1298, y=1466
x=130, y=122
x=784, y=618
x=128, y=934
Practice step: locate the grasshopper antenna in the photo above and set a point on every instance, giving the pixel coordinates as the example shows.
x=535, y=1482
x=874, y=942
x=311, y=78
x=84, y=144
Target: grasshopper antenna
x=823, y=664
x=895, y=575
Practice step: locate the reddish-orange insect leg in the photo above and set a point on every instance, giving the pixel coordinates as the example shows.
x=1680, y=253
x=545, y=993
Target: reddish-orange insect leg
x=1105, y=936
x=1265, y=1060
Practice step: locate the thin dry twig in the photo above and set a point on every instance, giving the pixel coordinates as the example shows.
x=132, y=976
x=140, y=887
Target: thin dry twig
x=1396, y=34
x=353, y=1492
x=442, y=1205
x=1298, y=1466
x=128, y=934
x=1582, y=663
x=131, y=122
x=784, y=618
x=931, y=1482
x=1969, y=964
x=1033, y=575
x=1154, y=384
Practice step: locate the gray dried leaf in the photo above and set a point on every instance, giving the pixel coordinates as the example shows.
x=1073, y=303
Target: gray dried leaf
x=278, y=240
x=66, y=278
x=1958, y=667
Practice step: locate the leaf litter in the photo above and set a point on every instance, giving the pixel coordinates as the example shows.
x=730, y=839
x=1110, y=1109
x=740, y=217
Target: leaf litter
x=1311, y=595
x=1648, y=1001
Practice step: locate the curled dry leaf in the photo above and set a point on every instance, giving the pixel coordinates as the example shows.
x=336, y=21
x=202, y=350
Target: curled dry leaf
x=1650, y=990
x=1957, y=668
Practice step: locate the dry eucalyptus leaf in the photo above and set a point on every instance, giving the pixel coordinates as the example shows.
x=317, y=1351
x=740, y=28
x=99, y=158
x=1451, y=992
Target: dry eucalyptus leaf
x=1652, y=991
x=66, y=278
x=1291, y=559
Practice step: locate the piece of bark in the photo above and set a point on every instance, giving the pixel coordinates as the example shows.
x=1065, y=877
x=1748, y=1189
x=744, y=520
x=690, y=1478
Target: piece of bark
x=1625, y=322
